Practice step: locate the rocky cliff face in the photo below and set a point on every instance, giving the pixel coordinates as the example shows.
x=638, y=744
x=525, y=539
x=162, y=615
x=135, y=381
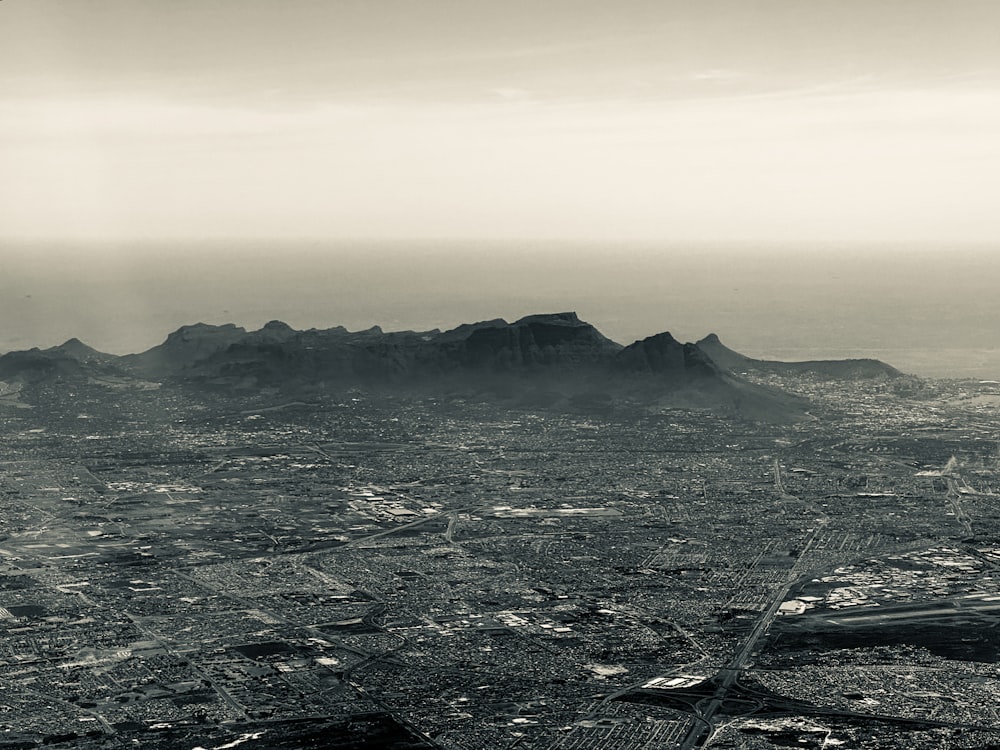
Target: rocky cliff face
x=560, y=340
x=663, y=354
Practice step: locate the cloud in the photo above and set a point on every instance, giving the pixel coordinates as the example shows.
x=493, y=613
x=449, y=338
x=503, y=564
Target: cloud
x=512, y=94
x=810, y=163
x=128, y=117
x=717, y=75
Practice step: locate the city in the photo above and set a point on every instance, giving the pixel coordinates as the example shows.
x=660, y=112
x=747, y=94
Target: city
x=188, y=570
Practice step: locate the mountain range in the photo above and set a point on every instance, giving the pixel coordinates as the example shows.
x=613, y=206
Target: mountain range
x=549, y=358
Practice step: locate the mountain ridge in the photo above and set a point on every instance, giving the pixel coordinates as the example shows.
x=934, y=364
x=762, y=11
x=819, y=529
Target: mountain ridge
x=553, y=357
x=828, y=368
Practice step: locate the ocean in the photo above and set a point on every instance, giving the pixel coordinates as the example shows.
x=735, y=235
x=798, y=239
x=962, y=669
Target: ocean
x=929, y=311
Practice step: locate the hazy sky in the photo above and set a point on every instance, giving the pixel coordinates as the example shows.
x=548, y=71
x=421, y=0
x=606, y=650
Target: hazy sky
x=930, y=312
x=836, y=120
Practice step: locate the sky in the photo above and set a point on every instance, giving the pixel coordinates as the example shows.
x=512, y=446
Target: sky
x=855, y=121
x=806, y=178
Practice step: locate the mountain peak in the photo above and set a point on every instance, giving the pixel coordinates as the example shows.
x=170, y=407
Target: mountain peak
x=76, y=349
x=74, y=345
x=273, y=331
x=565, y=318
x=722, y=355
x=207, y=329
x=663, y=353
x=200, y=327
x=664, y=338
x=277, y=325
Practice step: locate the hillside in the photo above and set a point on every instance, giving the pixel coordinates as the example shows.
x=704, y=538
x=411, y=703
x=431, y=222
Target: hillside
x=834, y=369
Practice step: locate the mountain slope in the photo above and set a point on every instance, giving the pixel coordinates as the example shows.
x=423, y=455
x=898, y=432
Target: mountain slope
x=184, y=347
x=695, y=380
x=71, y=361
x=834, y=369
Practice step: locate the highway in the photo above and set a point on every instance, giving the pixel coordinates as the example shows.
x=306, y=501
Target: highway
x=955, y=503
x=705, y=710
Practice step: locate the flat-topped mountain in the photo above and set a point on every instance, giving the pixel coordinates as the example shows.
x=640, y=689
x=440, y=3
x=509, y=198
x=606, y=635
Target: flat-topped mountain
x=185, y=346
x=836, y=369
x=553, y=358
x=558, y=340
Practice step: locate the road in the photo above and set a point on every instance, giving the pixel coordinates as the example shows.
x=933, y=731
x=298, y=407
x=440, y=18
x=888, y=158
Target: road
x=706, y=709
x=955, y=504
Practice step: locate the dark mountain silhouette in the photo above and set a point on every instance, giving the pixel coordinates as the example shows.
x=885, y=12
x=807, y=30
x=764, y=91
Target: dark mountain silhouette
x=71, y=361
x=834, y=369
x=547, y=359
x=543, y=359
x=184, y=347
x=663, y=353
